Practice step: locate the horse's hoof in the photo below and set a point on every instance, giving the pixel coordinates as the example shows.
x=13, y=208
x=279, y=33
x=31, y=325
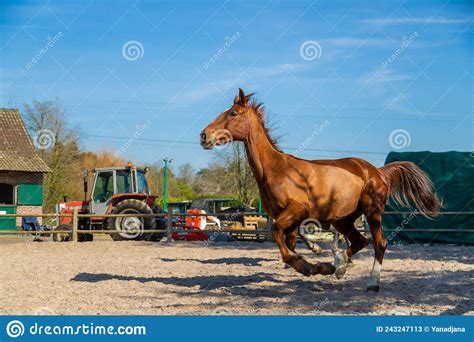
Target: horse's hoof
x=340, y=262
x=374, y=288
x=306, y=269
x=324, y=268
x=340, y=271
x=331, y=268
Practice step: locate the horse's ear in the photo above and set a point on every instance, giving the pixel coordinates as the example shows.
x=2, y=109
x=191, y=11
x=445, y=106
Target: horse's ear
x=242, y=98
x=249, y=96
x=236, y=99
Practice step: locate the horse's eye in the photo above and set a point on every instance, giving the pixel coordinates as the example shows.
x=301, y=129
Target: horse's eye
x=232, y=113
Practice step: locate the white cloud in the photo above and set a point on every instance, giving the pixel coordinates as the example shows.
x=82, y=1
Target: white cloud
x=382, y=76
x=277, y=70
x=29, y=27
x=400, y=103
x=414, y=20
x=356, y=42
x=211, y=88
x=237, y=79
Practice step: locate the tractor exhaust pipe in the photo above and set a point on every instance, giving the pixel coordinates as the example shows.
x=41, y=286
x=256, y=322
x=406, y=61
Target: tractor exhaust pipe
x=86, y=183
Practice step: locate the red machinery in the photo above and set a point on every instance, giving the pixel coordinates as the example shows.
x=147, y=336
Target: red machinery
x=116, y=190
x=194, y=227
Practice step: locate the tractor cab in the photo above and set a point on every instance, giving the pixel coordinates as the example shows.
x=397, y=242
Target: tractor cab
x=113, y=183
x=115, y=190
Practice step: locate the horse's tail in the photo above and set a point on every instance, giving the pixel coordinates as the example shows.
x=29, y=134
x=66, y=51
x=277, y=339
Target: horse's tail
x=407, y=184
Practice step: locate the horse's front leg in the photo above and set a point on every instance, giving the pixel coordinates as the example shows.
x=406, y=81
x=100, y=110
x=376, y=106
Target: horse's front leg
x=340, y=256
x=291, y=216
x=291, y=237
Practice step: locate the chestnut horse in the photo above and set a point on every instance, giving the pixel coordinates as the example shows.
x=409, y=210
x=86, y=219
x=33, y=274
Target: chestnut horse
x=336, y=192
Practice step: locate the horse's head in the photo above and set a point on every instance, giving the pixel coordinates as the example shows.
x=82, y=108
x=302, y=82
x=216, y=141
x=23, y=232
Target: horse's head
x=233, y=124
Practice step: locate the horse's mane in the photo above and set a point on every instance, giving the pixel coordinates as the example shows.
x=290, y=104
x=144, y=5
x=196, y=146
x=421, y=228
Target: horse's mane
x=260, y=111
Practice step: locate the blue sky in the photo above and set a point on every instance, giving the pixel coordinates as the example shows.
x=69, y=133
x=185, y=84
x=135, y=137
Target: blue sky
x=379, y=68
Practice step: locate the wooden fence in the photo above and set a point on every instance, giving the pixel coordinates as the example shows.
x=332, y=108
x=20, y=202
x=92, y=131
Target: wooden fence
x=168, y=231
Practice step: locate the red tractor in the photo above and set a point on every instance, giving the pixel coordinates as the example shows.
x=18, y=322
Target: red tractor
x=116, y=190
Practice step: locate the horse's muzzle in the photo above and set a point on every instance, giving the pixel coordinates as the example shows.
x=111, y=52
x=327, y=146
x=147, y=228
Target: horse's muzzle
x=204, y=143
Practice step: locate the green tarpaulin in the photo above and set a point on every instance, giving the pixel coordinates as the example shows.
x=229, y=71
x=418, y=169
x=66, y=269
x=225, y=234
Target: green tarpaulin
x=452, y=174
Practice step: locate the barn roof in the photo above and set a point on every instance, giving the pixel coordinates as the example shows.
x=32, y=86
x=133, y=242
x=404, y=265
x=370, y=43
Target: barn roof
x=17, y=152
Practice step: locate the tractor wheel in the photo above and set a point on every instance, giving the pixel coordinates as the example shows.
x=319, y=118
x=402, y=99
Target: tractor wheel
x=85, y=238
x=131, y=228
x=62, y=237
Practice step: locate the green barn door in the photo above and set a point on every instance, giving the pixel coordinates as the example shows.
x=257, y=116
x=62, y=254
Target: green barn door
x=29, y=194
x=7, y=223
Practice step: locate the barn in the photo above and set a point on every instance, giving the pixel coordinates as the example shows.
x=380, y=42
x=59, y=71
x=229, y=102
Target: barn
x=21, y=170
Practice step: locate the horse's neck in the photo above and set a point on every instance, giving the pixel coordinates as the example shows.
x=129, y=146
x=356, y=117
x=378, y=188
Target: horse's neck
x=262, y=155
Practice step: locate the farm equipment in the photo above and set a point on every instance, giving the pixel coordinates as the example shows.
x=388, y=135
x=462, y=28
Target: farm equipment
x=235, y=218
x=116, y=190
x=177, y=208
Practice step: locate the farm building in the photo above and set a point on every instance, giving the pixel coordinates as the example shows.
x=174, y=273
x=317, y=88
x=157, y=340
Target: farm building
x=21, y=170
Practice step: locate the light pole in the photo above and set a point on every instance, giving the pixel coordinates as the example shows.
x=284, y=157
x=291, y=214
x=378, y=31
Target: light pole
x=165, y=184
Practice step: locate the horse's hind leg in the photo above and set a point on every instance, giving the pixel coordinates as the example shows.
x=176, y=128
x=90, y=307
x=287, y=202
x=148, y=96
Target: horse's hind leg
x=380, y=244
x=373, y=202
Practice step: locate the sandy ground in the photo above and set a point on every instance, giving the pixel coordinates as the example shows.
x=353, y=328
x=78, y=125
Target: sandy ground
x=105, y=277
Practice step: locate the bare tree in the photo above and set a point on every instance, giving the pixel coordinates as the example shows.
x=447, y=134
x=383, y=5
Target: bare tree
x=211, y=181
x=186, y=173
x=57, y=144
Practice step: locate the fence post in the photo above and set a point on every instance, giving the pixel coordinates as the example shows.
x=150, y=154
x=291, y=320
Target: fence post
x=169, y=225
x=75, y=224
